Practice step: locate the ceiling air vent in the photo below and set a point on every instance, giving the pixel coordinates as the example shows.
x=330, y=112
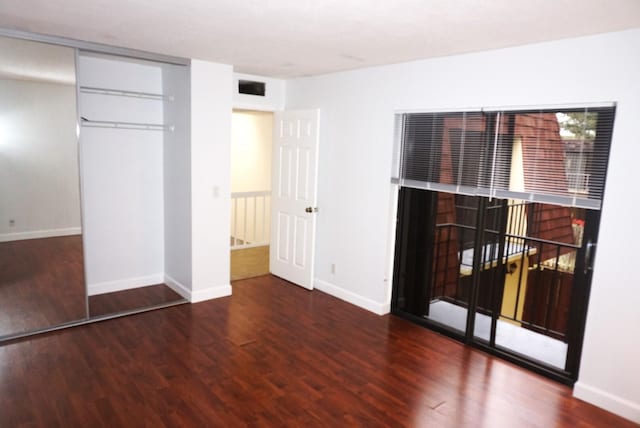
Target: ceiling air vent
x=251, y=87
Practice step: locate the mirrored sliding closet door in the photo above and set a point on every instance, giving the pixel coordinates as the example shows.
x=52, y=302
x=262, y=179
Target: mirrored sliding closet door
x=41, y=255
x=94, y=183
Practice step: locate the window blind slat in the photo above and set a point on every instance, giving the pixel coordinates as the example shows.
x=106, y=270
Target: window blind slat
x=556, y=156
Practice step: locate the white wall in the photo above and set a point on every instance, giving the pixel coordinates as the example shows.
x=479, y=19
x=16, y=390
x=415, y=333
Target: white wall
x=273, y=99
x=177, y=179
x=356, y=139
x=211, y=104
x=122, y=177
x=39, y=183
x=251, y=142
x=251, y=137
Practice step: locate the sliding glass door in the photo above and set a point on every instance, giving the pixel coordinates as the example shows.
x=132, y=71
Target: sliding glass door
x=507, y=275
x=497, y=223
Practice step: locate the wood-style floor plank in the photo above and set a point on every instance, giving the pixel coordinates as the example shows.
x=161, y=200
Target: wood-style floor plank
x=41, y=283
x=273, y=354
x=249, y=262
x=126, y=300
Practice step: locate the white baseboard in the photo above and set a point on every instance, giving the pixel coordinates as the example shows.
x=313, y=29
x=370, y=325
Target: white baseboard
x=37, y=234
x=178, y=287
x=143, y=281
x=210, y=293
x=353, y=298
x=620, y=406
x=124, y=284
x=198, y=295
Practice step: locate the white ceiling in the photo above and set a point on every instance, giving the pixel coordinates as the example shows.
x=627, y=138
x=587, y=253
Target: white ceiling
x=292, y=38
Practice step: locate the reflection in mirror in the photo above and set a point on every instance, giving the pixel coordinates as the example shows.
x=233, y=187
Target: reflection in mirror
x=41, y=255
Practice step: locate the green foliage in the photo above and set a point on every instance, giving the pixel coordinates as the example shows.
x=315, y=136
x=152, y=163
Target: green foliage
x=578, y=125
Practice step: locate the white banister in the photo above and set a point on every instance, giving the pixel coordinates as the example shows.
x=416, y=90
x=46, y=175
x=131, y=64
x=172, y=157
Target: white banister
x=254, y=208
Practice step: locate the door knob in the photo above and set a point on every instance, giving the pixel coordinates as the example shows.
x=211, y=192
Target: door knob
x=311, y=210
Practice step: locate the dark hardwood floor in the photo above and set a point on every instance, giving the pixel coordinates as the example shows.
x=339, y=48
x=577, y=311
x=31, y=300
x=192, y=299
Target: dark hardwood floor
x=126, y=300
x=41, y=283
x=273, y=354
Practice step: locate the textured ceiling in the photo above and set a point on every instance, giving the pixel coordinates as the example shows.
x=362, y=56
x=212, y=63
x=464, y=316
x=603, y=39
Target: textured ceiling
x=292, y=38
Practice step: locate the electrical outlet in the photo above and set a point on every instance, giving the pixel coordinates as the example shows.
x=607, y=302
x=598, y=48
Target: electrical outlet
x=333, y=268
x=12, y=222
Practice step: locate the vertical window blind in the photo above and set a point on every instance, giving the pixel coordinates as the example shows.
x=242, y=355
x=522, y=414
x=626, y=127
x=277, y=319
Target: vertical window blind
x=557, y=156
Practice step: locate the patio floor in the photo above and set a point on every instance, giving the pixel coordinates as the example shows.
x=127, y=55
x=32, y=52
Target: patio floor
x=534, y=345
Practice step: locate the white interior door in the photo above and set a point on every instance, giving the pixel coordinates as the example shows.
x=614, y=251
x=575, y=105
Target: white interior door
x=293, y=200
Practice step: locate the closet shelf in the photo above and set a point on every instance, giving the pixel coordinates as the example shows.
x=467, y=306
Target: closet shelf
x=123, y=93
x=126, y=125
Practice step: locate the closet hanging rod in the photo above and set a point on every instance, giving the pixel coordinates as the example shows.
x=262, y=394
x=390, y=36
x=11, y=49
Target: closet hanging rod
x=123, y=93
x=126, y=125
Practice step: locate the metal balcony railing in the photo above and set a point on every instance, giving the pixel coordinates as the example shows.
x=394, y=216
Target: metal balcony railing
x=578, y=182
x=526, y=280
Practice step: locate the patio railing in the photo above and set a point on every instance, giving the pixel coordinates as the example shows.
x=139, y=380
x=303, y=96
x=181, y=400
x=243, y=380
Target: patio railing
x=527, y=280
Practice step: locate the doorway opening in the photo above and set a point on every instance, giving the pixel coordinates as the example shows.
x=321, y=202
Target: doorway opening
x=251, y=164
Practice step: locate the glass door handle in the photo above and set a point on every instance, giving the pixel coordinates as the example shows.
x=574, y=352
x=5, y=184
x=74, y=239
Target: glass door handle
x=588, y=256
